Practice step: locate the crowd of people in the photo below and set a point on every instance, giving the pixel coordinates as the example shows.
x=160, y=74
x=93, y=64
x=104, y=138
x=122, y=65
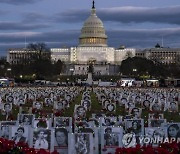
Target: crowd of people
x=37, y=116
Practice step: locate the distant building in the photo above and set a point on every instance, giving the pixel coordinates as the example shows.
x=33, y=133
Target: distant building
x=19, y=55
x=23, y=55
x=164, y=56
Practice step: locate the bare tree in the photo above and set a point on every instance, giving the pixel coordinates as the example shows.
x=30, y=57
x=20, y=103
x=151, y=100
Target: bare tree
x=41, y=51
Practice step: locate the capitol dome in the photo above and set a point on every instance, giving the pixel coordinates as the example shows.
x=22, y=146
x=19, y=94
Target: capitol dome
x=93, y=32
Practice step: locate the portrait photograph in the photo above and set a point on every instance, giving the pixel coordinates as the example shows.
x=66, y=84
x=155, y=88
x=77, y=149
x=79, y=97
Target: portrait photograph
x=42, y=139
x=155, y=133
x=31, y=97
x=19, y=134
x=41, y=123
x=61, y=140
x=65, y=103
x=156, y=116
x=81, y=124
x=80, y=143
x=62, y=121
x=173, y=130
x=94, y=132
x=48, y=101
x=111, y=107
x=173, y=107
x=86, y=104
x=123, y=101
x=134, y=126
x=59, y=105
x=98, y=115
x=135, y=112
x=5, y=128
x=111, y=138
x=129, y=105
x=37, y=105
x=156, y=122
x=79, y=111
x=146, y=104
x=108, y=121
x=86, y=97
x=105, y=102
x=7, y=107
x=156, y=107
x=26, y=119
x=9, y=99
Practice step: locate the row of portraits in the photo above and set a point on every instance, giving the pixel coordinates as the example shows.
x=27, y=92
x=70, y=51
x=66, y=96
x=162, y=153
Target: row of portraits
x=84, y=140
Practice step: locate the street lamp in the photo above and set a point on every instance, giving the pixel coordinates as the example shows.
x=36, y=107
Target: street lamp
x=134, y=71
x=8, y=70
x=71, y=70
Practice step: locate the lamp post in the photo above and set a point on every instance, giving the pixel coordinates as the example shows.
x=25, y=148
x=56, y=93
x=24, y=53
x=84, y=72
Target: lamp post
x=8, y=70
x=134, y=71
x=72, y=71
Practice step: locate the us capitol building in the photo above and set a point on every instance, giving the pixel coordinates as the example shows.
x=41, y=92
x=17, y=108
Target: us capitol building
x=92, y=48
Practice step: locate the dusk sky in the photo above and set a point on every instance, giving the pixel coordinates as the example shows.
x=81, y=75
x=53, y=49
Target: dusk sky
x=133, y=23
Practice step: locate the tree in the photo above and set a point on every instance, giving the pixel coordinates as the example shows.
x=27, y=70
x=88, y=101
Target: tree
x=137, y=66
x=41, y=59
x=58, y=67
x=5, y=69
x=41, y=51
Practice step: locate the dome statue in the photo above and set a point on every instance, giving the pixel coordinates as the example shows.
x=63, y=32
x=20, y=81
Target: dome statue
x=93, y=32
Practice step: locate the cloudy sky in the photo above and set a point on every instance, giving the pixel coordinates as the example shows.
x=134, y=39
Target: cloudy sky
x=133, y=23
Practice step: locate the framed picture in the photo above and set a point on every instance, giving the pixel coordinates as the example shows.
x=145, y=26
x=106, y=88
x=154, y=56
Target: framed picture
x=111, y=138
x=111, y=107
x=25, y=119
x=86, y=104
x=156, y=116
x=173, y=107
x=48, y=101
x=98, y=115
x=42, y=123
x=10, y=99
x=61, y=140
x=129, y=105
x=19, y=134
x=135, y=126
x=37, y=105
x=94, y=132
x=146, y=104
x=7, y=107
x=156, y=107
x=135, y=112
x=42, y=139
x=80, y=143
x=108, y=121
x=65, y=122
x=5, y=128
x=172, y=130
x=79, y=111
x=59, y=105
x=105, y=102
x=156, y=122
x=155, y=134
